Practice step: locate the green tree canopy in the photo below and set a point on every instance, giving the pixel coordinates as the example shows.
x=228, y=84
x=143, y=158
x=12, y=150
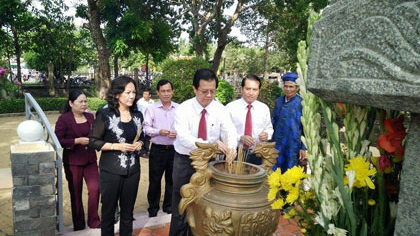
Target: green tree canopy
x=18, y=22
x=53, y=40
x=181, y=74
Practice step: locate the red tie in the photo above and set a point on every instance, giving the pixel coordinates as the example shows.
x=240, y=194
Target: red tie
x=248, y=123
x=202, y=127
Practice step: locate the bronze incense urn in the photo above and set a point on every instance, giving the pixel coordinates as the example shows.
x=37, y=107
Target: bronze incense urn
x=221, y=203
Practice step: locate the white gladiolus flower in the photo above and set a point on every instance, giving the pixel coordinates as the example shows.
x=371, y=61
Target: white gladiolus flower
x=393, y=209
x=319, y=220
x=336, y=231
x=351, y=174
x=330, y=208
x=338, y=194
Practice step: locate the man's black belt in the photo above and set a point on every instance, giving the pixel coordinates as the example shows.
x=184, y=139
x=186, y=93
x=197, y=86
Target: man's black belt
x=167, y=147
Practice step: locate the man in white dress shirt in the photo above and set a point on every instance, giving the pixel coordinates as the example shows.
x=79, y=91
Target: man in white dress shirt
x=251, y=118
x=199, y=119
x=144, y=102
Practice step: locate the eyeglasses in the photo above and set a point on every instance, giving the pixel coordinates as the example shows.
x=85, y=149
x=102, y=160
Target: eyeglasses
x=205, y=92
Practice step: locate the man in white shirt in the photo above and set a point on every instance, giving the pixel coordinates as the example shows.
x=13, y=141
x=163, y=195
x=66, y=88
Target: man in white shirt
x=251, y=118
x=199, y=119
x=144, y=102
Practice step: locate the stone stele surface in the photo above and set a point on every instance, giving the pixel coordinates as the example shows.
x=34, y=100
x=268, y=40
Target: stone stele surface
x=367, y=52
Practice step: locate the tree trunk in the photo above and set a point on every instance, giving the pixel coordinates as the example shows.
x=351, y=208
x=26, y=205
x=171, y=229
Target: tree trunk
x=97, y=80
x=218, y=56
x=136, y=78
x=69, y=69
x=17, y=52
x=103, y=52
x=266, y=54
x=51, y=90
x=223, y=32
x=115, y=66
x=199, y=45
x=147, y=71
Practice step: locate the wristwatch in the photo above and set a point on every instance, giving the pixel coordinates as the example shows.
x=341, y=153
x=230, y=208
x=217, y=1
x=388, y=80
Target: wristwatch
x=112, y=147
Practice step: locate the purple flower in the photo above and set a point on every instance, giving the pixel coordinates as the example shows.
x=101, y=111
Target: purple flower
x=2, y=71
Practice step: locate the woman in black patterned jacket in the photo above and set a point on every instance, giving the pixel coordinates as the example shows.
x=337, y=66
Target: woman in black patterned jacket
x=117, y=132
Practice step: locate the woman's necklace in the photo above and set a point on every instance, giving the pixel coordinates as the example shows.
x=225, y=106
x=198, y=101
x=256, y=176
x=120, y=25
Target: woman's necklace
x=125, y=116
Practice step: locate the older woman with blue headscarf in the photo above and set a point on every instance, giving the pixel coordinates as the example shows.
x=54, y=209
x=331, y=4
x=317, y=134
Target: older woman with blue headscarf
x=287, y=126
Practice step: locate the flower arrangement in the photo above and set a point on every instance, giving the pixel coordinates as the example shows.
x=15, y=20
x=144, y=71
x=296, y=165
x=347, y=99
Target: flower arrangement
x=347, y=191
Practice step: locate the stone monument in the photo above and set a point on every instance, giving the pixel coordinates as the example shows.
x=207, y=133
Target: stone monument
x=367, y=52
x=33, y=172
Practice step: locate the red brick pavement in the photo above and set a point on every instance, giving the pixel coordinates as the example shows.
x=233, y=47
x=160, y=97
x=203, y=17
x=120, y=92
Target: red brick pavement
x=286, y=227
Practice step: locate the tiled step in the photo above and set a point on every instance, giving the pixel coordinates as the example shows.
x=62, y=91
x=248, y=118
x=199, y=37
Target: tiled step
x=159, y=226
x=142, y=221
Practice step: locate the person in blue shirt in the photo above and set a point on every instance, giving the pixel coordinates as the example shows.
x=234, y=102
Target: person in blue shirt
x=287, y=126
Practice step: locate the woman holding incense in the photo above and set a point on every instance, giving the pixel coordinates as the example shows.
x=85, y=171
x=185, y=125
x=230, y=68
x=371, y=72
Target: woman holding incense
x=118, y=132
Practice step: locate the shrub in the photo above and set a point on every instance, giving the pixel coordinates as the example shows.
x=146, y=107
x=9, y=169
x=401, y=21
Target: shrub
x=46, y=104
x=95, y=104
x=225, y=92
x=181, y=73
x=269, y=93
x=10, y=88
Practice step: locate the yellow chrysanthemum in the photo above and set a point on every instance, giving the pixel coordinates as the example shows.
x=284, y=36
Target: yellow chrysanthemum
x=278, y=204
x=371, y=202
x=272, y=193
x=305, y=196
x=361, y=167
x=289, y=214
x=274, y=179
x=292, y=177
x=293, y=195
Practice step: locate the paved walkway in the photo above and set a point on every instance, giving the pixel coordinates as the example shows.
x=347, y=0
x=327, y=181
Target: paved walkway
x=159, y=226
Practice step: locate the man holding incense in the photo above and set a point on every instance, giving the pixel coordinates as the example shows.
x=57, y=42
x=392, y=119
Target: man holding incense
x=199, y=119
x=251, y=118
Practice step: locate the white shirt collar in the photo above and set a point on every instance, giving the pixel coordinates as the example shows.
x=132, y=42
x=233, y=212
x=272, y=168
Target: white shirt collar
x=245, y=103
x=197, y=106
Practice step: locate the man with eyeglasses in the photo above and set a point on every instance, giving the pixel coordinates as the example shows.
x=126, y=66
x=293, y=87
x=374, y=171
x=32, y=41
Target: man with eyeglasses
x=199, y=119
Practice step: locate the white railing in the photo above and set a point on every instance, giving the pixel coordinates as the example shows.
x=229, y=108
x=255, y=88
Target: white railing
x=34, y=112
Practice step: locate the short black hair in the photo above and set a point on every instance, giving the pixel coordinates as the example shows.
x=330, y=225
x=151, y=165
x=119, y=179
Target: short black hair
x=163, y=82
x=149, y=90
x=118, y=87
x=251, y=77
x=204, y=74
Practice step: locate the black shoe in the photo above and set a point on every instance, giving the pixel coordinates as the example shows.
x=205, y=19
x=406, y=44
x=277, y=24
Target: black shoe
x=152, y=214
x=168, y=211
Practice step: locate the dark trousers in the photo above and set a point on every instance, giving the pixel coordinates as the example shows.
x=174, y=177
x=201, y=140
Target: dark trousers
x=161, y=160
x=113, y=188
x=74, y=176
x=181, y=175
x=253, y=159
